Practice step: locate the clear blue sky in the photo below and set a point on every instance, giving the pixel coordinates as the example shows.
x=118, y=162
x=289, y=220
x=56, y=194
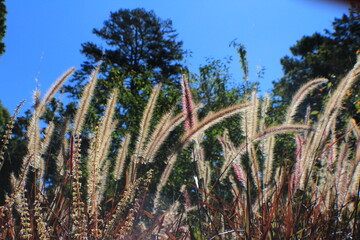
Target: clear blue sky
x=43, y=38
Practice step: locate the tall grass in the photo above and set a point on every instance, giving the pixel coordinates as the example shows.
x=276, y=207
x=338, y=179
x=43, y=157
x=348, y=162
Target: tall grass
x=314, y=196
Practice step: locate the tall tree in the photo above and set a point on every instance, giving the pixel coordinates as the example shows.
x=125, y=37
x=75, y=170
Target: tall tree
x=136, y=51
x=139, y=50
x=136, y=41
x=330, y=55
x=3, y=13
x=4, y=118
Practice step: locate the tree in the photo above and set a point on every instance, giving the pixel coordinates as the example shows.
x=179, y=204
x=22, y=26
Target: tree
x=213, y=90
x=3, y=12
x=140, y=50
x=330, y=55
x=4, y=118
x=138, y=41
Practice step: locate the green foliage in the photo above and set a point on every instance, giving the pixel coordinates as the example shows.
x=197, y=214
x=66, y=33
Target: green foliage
x=330, y=55
x=4, y=117
x=213, y=90
x=3, y=13
x=137, y=41
x=139, y=50
x=241, y=50
x=212, y=86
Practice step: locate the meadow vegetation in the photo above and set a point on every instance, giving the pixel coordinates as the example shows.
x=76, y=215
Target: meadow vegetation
x=315, y=195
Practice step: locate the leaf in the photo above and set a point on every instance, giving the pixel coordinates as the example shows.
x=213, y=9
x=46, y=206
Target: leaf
x=357, y=106
x=314, y=112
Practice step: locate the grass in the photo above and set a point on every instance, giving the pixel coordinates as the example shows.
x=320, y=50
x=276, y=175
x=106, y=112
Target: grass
x=313, y=196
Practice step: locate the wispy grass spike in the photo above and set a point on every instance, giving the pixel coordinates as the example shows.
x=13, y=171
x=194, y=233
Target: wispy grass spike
x=121, y=157
x=161, y=132
x=300, y=96
x=240, y=174
x=46, y=141
x=54, y=89
x=212, y=119
x=163, y=180
x=33, y=135
x=43, y=147
x=98, y=151
x=325, y=122
x=298, y=166
x=355, y=181
x=264, y=107
x=269, y=160
x=188, y=105
x=64, y=148
x=253, y=124
x=276, y=130
x=229, y=153
x=145, y=122
x=85, y=101
x=107, y=126
x=8, y=132
x=355, y=129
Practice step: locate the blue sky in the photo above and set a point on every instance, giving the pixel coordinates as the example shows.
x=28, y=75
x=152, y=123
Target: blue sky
x=43, y=38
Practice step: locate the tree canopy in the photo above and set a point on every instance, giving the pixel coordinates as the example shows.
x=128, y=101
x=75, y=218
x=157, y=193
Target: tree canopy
x=138, y=50
x=3, y=13
x=4, y=117
x=330, y=55
x=136, y=42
